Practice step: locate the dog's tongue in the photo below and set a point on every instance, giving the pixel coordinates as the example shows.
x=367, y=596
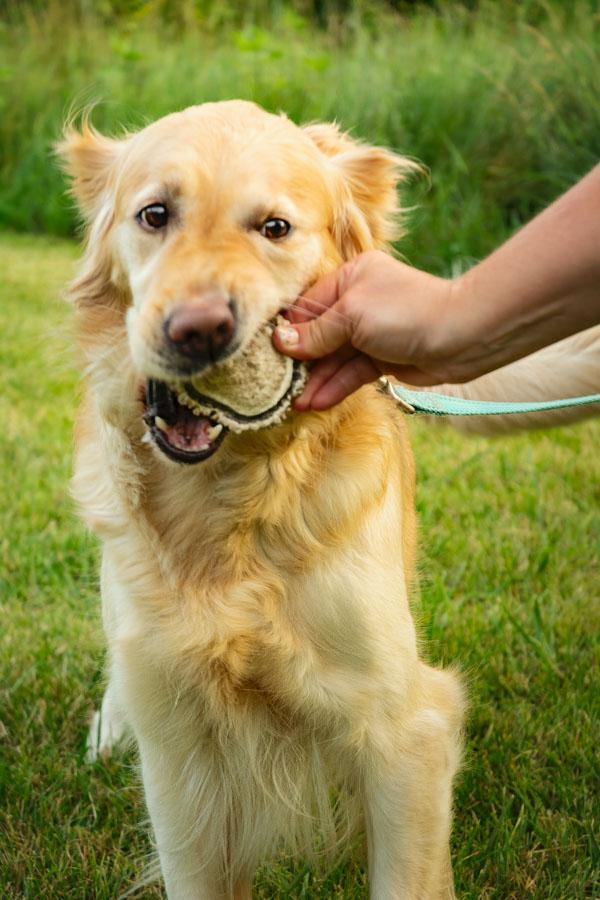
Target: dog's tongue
x=189, y=432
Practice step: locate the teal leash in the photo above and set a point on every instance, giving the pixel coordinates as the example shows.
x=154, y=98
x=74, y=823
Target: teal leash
x=433, y=404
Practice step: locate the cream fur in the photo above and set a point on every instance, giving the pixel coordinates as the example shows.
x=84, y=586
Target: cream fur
x=256, y=605
x=569, y=368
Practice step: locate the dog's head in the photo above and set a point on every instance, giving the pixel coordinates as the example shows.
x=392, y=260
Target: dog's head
x=207, y=223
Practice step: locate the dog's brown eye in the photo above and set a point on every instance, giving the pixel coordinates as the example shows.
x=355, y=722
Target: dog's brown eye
x=154, y=216
x=274, y=229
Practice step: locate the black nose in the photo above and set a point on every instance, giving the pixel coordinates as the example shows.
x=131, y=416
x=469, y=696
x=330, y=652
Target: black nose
x=201, y=330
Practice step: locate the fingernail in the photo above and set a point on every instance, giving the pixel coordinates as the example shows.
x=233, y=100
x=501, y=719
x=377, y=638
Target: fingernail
x=287, y=335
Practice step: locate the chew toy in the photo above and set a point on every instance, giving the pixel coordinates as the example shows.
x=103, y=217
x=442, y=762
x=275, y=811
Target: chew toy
x=252, y=390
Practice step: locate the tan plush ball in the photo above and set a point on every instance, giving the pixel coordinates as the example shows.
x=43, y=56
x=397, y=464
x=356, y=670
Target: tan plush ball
x=252, y=390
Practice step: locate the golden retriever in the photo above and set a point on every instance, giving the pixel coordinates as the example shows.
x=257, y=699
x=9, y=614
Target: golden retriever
x=256, y=603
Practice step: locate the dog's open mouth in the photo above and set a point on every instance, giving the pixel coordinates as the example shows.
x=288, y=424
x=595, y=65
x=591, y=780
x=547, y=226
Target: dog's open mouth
x=252, y=390
x=178, y=432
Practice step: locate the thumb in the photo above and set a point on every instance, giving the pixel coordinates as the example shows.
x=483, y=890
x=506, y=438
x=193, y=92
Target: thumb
x=318, y=297
x=319, y=337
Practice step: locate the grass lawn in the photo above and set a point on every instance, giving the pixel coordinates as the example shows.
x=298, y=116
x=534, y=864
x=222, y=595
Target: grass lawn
x=509, y=592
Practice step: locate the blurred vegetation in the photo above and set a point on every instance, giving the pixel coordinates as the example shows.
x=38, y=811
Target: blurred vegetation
x=500, y=101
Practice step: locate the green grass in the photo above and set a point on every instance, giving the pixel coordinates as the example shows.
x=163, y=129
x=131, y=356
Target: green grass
x=505, y=98
x=509, y=535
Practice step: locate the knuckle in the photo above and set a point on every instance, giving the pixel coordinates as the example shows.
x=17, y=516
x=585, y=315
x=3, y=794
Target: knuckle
x=319, y=336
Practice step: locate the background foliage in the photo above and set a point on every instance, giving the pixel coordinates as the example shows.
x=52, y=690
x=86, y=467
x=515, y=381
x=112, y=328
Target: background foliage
x=500, y=103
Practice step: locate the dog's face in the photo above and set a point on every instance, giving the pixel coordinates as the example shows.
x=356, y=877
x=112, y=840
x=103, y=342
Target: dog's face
x=221, y=217
x=210, y=221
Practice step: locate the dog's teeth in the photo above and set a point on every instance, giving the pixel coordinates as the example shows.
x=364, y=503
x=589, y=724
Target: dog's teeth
x=214, y=432
x=160, y=423
x=147, y=438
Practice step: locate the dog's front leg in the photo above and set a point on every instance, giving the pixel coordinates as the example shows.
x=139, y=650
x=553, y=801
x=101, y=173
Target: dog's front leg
x=193, y=863
x=108, y=728
x=408, y=788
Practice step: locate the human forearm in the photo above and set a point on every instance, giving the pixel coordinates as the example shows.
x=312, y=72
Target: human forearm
x=540, y=286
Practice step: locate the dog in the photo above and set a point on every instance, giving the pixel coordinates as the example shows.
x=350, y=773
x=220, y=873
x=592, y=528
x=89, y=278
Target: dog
x=261, y=646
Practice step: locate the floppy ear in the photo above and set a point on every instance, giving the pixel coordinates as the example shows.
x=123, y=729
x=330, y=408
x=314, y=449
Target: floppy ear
x=88, y=157
x=90, y=160
x=368, y=213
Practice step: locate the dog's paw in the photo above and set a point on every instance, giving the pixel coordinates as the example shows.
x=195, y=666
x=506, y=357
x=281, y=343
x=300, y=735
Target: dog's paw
x=107, y=731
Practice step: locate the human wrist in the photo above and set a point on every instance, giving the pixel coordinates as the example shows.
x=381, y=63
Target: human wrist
x=454, y=344
x=477, y=339
x=492, y=320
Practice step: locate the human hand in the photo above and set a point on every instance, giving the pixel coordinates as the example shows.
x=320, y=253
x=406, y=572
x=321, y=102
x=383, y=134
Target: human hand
x=377, y=316
x=373, y=316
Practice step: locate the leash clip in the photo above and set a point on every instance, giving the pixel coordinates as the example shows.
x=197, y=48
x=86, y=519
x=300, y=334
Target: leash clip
x=404, y=405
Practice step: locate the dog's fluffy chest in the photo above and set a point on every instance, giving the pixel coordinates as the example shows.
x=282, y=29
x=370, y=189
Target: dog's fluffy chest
x=252, y=647
x=225, y=590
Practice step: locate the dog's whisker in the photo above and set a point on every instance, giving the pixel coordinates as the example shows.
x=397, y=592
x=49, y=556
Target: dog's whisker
x=101, y=358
